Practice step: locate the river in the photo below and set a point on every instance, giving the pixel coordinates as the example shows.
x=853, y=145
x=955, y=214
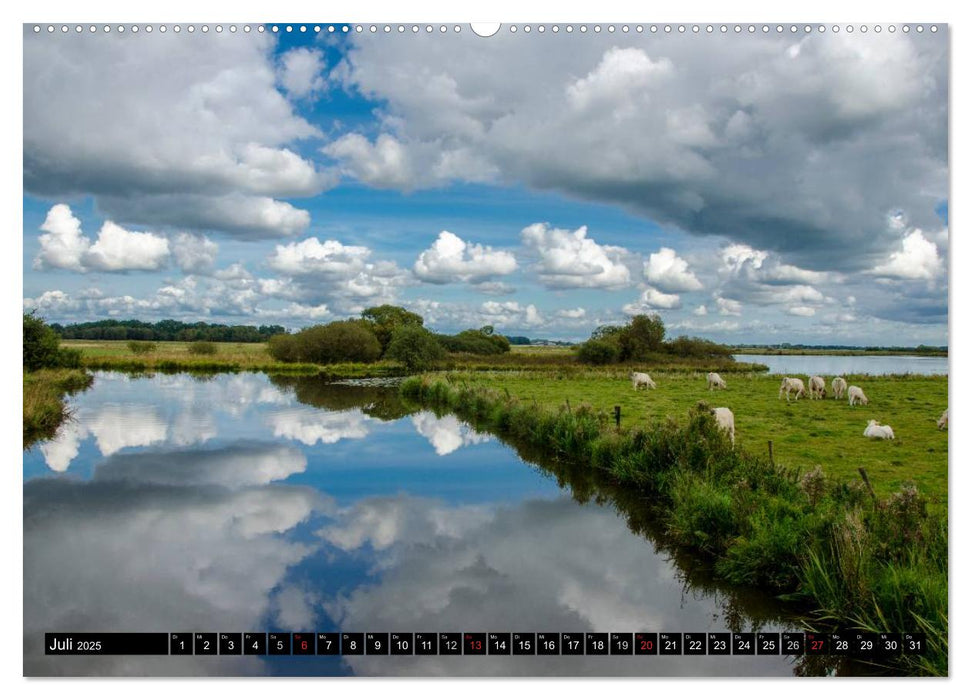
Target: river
x=833, y=365
x=240, y=502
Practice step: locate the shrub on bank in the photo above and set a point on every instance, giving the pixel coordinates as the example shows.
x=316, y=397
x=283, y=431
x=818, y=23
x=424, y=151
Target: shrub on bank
x=598, y=352
x=41, y=347
x=141, y=347
x=340, y=341
x=475, y=342
x=202, y=347
x=413, y=346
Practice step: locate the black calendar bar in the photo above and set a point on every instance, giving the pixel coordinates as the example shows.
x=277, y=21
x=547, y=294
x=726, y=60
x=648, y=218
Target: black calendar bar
x=633, y=644
x=105, y=644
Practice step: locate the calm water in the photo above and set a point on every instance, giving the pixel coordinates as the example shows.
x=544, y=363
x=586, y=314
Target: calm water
x=240, y=503
x=832, y=365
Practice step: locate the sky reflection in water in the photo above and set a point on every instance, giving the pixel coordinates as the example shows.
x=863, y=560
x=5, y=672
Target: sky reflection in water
x=243, y=503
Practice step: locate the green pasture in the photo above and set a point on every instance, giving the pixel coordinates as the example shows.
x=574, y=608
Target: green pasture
x=804, y=433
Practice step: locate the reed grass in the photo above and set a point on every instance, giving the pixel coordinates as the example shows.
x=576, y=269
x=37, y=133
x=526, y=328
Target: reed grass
x=43, y=400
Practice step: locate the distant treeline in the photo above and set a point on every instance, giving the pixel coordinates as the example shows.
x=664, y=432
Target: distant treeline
x=919, y=350
x=166, y=330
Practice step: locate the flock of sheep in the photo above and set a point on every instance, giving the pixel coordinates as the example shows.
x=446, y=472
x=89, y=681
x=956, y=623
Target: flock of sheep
x=791, y=385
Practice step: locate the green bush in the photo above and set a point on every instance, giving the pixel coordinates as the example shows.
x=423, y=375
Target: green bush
x=202, y=347
x=42, y=347
x=340, y=341
x=415, y=347
x=598, y=352
x=684, y=346
x=283, y=347
x=385, y=319
x=141, y=347
x=475, y=342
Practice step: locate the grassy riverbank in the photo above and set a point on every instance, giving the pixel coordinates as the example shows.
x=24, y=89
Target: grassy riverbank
x=857, y=560
x=803, y=433
x=44, y=407
x=237, y=357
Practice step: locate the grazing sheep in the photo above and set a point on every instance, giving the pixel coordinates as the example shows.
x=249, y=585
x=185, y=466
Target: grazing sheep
x=857, y=396
x=839, y=387
x=715, y=381
x=642, y=379
x=725, y=420
x=817, y=387
x=790, y=384
x=942, y=421
x=875, y=430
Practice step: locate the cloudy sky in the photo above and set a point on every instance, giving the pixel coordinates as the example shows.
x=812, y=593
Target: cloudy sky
x=777, y=187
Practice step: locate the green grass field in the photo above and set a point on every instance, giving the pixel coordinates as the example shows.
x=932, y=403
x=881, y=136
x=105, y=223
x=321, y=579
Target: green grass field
x=169, y=350
x=804, y=433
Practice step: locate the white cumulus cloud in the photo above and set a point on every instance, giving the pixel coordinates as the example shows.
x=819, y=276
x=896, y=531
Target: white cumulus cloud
x=301, y=71
x=801, y=311
x=917, y=259
x=568, y=259
x=116, y=249
x=728, y=307
x=62, y=243
x=385, y=163
x=194, y=253
x=670, y=273
x=451, y=259
x=650, y=300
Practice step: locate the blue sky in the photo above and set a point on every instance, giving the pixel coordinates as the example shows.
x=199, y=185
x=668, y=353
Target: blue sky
x=763, y=188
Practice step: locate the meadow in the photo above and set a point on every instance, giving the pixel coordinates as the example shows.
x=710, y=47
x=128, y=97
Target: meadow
x=804, y=433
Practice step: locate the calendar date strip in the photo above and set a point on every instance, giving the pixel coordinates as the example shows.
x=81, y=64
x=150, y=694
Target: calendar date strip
x=858, y=644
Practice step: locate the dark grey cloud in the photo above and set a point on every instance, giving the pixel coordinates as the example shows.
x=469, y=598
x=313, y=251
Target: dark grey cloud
x=797, y=144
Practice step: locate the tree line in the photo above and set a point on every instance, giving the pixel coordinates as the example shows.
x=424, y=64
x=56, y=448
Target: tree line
x=166, y=330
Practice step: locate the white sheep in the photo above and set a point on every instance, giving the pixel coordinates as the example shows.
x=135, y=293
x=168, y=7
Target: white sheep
x=790, y=384
x=942, y=421
x=642, y=379
x=875, y=430
x=715, y=381
x=725, y=420
x=817, y=387
x=839, y=387
x=857, y=396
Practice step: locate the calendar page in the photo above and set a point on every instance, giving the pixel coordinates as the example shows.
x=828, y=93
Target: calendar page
x=514, y=349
